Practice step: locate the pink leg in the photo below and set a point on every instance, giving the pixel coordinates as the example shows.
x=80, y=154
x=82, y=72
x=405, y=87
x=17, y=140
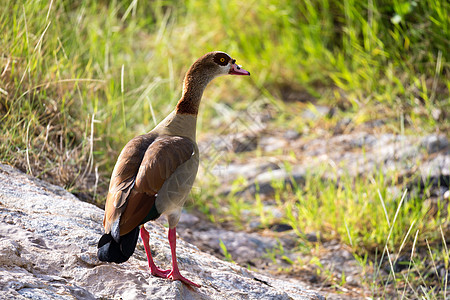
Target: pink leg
x=154, y=269
x=175, y=273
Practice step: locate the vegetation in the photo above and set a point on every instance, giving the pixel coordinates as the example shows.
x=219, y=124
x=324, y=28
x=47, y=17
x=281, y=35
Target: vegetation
x=80, y=78
x=382, y=227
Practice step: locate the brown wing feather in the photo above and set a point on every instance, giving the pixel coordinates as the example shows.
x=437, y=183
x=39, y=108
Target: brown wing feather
x=138, y=206
x=161, y=160
x=123, y=177
x=141, y=176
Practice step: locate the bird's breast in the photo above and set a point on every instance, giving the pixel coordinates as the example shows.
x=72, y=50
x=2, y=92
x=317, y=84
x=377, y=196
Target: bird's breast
x=173, y=193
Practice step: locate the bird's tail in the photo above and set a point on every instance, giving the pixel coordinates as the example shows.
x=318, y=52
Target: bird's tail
x=112, y=251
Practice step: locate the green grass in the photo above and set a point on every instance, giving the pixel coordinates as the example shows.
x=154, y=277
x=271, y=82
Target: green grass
x=378, y=224
x=79, y=79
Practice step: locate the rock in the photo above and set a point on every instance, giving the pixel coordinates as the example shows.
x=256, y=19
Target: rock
x=244, y=143
x=315, y=111
x=280, y=227
x=341, y=125
x=243, y=247
x=10, y=254
x=264, y=250
x=374, y=123
x=434, y=143
x=436, y=167
x=48, y=250
x=264, y=181
x=255, y=224
x=343, y=262
x=446, y=195
x=238, y=142
x=291, y=135
x=436, y=113
x=188, y=220
x=272, y=143
x=312, y=237
x=363, y=141
x=251, y=169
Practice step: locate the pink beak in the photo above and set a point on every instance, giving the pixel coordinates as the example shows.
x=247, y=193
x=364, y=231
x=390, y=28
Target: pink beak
x=237, y=70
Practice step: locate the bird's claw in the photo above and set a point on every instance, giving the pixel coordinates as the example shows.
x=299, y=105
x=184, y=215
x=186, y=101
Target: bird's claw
x=177, y=276
x=159, y=272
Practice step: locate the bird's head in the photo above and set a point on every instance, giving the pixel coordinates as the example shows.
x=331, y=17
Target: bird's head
x=215, y=64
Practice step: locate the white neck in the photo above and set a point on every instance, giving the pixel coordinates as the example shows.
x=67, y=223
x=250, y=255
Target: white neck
x=178, y=124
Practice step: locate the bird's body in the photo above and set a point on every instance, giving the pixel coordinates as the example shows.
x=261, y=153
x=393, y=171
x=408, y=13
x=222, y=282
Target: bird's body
x=155, y=171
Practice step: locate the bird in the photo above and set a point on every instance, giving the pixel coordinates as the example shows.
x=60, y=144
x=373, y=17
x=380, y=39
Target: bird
x=154, y=172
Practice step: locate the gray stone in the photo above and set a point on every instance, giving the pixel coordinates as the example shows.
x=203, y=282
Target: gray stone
x=280, y=227
x=363, y=141
x=243, y=247
x=315, y=112
x=434, y=143
x=188, y=220
x=264, y=181
x=291, y=134
x=48, y=251
x=341, y=125
x=249, y=170
x=272, y=143
x=239, y=142
x=438, y=165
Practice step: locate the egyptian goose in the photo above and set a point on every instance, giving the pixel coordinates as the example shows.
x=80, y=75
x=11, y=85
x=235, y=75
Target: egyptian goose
x=155, y=172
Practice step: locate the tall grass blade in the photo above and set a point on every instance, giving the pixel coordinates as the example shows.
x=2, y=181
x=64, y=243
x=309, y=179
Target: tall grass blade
x=384, y=207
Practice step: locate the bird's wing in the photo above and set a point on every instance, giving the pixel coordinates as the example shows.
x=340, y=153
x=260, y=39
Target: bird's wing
x=124, y=177
x=160, y=160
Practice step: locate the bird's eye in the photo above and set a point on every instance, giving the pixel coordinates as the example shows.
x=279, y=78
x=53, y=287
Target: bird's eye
x=221, y=59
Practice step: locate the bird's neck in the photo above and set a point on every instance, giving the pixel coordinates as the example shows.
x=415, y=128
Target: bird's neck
x=193, y=88
x=183, y=120
x=177, y=124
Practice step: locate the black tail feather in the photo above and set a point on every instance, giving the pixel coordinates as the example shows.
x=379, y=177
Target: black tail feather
x=111, y=251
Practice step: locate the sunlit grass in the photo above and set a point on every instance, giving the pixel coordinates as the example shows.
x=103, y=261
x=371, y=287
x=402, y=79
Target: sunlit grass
x=63, y=63
x=369, y=215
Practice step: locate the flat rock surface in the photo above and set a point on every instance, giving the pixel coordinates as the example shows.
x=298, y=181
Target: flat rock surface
x=48, y=250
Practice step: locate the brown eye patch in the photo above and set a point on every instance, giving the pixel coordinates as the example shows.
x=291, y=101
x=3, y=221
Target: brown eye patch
x=221, y=59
